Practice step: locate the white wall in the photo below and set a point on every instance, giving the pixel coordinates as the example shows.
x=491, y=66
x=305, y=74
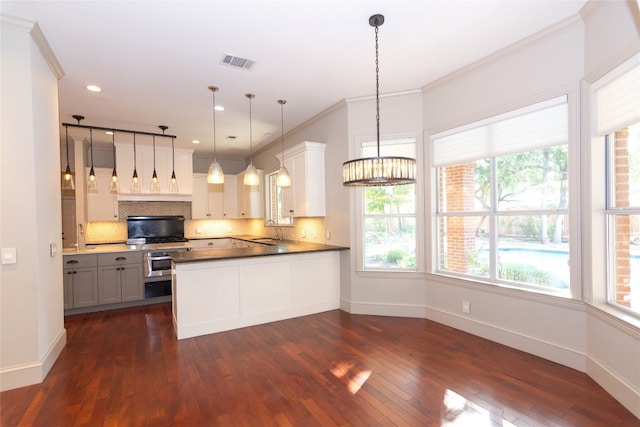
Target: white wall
x=32, y=326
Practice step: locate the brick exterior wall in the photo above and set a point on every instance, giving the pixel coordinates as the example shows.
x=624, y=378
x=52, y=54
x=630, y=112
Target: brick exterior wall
x=623, y=222
x=457, y=234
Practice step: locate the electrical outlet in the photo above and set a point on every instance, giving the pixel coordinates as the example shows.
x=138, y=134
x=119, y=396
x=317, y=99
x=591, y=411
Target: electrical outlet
x=328, y=235
x=466, y=307
x=198, y=230
x=303, y=234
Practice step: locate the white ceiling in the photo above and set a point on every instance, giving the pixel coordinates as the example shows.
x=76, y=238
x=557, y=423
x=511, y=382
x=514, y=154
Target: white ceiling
x=155, y=59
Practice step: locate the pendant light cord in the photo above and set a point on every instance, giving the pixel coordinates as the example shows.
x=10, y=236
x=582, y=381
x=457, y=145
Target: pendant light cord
x=250, y=130
x=173, y=155
x=213, y=113
x=91, y=143
x=66, y=140
x=282, y=102
x=134, y=152
x=377, y=95
x=113, y=143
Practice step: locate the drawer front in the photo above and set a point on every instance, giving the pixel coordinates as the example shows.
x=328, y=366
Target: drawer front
x=78, y=261
x=115, y=258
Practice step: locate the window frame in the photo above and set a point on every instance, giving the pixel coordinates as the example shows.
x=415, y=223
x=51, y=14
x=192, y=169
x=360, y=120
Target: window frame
x=596, y=231
x=269, y=181
x=359, y=207
x=572, y=94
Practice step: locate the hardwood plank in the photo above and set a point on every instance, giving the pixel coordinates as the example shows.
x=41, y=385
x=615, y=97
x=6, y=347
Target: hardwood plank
x=126, y=368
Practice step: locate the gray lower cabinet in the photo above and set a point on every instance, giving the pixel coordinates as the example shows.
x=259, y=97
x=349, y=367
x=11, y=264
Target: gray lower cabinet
x=80, y=281
x=120, y=277
x=106, y=278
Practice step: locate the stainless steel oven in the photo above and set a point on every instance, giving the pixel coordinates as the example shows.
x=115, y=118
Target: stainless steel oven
x=157, y=264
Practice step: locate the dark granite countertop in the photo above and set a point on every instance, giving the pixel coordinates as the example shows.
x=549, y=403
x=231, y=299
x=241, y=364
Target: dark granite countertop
x=279, y=247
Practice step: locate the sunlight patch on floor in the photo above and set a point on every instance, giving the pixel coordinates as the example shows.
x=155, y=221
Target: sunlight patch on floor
x=460, y=412
x=355, y=380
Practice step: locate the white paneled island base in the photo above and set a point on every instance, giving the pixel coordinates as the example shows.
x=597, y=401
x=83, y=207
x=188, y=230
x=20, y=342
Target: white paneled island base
x=215, y=296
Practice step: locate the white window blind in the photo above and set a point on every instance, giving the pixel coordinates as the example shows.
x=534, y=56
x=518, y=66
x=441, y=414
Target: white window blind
x=618, y=103
x=544, y=124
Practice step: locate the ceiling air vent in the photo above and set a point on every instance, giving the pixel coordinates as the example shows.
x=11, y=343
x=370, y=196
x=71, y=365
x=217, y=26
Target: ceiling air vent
x=237, y=62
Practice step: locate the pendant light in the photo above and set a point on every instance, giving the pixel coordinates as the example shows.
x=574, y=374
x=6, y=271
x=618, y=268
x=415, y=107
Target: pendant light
x=251, y=176
x=215, y=174
x=92, y=185
x=155, y=187
x=282, y=179
x=173, y=182
x=114, y=186
x=135, y=182
x=67, y=180
x=378, y=171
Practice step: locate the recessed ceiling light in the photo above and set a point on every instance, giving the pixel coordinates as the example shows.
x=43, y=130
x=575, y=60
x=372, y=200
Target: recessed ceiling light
x=94, y=88
x=219, y=108
x=196, y=141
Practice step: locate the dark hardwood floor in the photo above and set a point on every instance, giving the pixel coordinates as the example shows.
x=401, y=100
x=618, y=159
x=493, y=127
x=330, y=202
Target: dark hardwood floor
x=126, y=368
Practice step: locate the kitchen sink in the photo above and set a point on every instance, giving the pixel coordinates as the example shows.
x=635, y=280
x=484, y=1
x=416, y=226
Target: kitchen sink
x=268, y=240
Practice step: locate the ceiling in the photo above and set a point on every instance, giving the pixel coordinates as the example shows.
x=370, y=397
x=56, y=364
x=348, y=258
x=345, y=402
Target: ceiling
x=154, y=60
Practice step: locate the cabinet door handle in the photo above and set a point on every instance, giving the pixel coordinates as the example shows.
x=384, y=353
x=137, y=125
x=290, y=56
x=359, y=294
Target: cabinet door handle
x=291, y=211
x=72, y=261
x=210, y=243
x=75, y=272
x=121, y=258
x=69, y=272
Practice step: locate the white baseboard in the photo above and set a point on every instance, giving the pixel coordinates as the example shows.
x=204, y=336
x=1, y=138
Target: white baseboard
x=537, y=346
x=620, y=389
x=398, y=310
x=33, y=373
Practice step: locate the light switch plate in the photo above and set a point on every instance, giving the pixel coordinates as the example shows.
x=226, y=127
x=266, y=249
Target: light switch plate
x=53, y=249
x=9, y=256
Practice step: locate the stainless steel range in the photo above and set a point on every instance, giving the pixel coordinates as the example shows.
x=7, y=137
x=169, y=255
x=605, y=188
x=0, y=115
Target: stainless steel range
x=158, y=236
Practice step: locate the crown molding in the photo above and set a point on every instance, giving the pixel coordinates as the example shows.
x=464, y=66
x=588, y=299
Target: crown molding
x=29, y=26
x=510, y=50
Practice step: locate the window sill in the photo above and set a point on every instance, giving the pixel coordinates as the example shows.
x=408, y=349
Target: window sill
x=617, y=318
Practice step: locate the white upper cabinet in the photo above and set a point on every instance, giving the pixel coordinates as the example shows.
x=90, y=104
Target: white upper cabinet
x=250, y=197
x=102, y=206
x=208, y=199
x=306, y=196
x=163, y=166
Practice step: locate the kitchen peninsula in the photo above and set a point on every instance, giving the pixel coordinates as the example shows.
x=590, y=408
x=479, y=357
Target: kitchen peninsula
x=216, y=290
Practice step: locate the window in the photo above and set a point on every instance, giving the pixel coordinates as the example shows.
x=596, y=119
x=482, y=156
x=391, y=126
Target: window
x=273, y=202
x=623, y=217
x=618, y=127
x=389, y=215
x=502, y=199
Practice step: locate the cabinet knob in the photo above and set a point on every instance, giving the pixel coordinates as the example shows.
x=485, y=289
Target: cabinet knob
x=291, y=211
x=69, y=272
x=75, y=272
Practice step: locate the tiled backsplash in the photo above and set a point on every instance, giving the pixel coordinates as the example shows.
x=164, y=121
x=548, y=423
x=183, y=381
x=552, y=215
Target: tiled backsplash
x=126, y=209
x=304, y=229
